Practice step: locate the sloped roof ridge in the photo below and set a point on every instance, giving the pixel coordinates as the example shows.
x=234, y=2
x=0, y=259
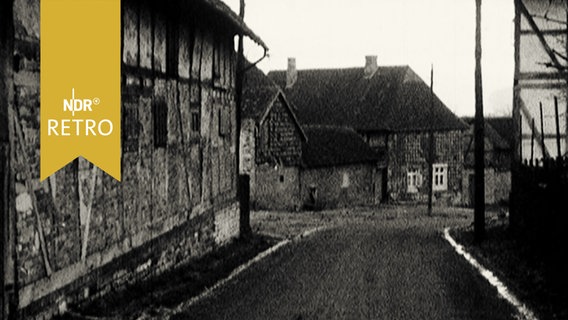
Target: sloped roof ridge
x=328, y=126
x=394, y=99
x=401, y=66
x=330, y=145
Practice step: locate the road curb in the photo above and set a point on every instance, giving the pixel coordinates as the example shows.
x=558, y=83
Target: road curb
x=184, y=305
x=523, y=311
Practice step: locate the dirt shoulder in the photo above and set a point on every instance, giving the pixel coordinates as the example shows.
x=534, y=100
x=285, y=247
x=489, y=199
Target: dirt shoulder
x=522, y=267
x=157, y=296
x=290, y=224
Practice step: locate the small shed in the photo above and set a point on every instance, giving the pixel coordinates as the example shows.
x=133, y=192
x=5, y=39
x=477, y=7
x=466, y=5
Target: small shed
x=339, y=169
x=271, y=144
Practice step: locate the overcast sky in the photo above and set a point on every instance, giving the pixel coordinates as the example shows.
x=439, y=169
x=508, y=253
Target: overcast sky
x=339, y=33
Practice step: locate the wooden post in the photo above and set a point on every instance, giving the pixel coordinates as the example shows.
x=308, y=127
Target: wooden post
x=517, y=155
x=6, y=94
x=244, y=221
x=559, y=152
x=520, y=138
x=479, y=134
x=244, y=202
x=566, y=95
x=4, y=209
x=86, y=231
x=542, y=132
x=431, y=145
x=532, y=141
x=29, y=187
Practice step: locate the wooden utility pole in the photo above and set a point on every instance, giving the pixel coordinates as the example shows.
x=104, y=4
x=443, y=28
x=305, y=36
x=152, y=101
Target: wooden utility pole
x=542, y=132
x=431, y=145
x=556, y=116
x=241, y=181
x=532, y=140
x=521, y=141
x=479, y=134
x=6, y=91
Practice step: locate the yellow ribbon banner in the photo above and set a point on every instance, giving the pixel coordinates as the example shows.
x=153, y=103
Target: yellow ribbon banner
x=80, y=84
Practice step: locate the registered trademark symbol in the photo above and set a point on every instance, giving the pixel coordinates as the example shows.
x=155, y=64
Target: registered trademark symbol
x=96, y=101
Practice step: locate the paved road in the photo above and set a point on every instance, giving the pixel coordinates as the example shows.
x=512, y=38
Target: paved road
x=366, y=270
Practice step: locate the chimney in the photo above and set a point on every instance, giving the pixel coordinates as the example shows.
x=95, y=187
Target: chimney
x=291, y=73
x=370, y=66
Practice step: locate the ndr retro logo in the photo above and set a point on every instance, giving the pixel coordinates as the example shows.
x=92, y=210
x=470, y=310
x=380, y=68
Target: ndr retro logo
x=82, y=126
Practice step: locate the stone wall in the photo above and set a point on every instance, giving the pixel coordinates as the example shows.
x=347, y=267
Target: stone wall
x=279, y=138
x=497, y=186
x=80, y=233
x=410, y=151
x=339, y=186
x=275, y=187
x=272, y=156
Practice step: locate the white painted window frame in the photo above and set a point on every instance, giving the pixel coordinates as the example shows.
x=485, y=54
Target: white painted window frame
x=413, y=180
x=440, y=177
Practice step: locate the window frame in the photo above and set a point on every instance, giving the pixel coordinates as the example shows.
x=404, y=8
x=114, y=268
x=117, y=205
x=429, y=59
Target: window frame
x=413, y=180
x=160, y=122
x=440, y=177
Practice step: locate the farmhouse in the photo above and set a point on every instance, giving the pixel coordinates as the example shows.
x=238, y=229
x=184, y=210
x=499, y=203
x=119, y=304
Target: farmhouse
x=81, y=233
x=339, y=169
x=293, y=167
x=271, y=144
x=394, y=111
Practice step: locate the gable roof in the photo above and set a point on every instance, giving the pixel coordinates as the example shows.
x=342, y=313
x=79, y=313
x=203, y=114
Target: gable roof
x=491, y=134
x=332, y=146
x=259, y=95
x=504, y=127
x=393, y=99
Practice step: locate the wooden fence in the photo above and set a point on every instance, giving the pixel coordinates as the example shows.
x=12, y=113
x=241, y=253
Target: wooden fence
x=539, y=212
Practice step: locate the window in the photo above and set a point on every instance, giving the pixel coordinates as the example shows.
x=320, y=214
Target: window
x=195, y=113
x=130, y=129
x=413, y=180
x=345, y=181
x=195, y=123
x=281, y=178
x=440, y=177
x=160, y=115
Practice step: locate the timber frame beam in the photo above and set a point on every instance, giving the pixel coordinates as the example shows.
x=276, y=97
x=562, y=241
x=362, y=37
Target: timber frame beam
x=551, y=54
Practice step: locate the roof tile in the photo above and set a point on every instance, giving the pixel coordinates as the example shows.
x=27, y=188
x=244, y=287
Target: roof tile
x=332, y=146
x=394, y=99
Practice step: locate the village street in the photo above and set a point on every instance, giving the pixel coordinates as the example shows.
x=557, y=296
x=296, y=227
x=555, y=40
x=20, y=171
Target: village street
x=388, y=264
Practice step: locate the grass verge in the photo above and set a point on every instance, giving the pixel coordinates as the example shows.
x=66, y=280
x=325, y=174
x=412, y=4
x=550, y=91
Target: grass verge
x=155, y=296
x=536, y=279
